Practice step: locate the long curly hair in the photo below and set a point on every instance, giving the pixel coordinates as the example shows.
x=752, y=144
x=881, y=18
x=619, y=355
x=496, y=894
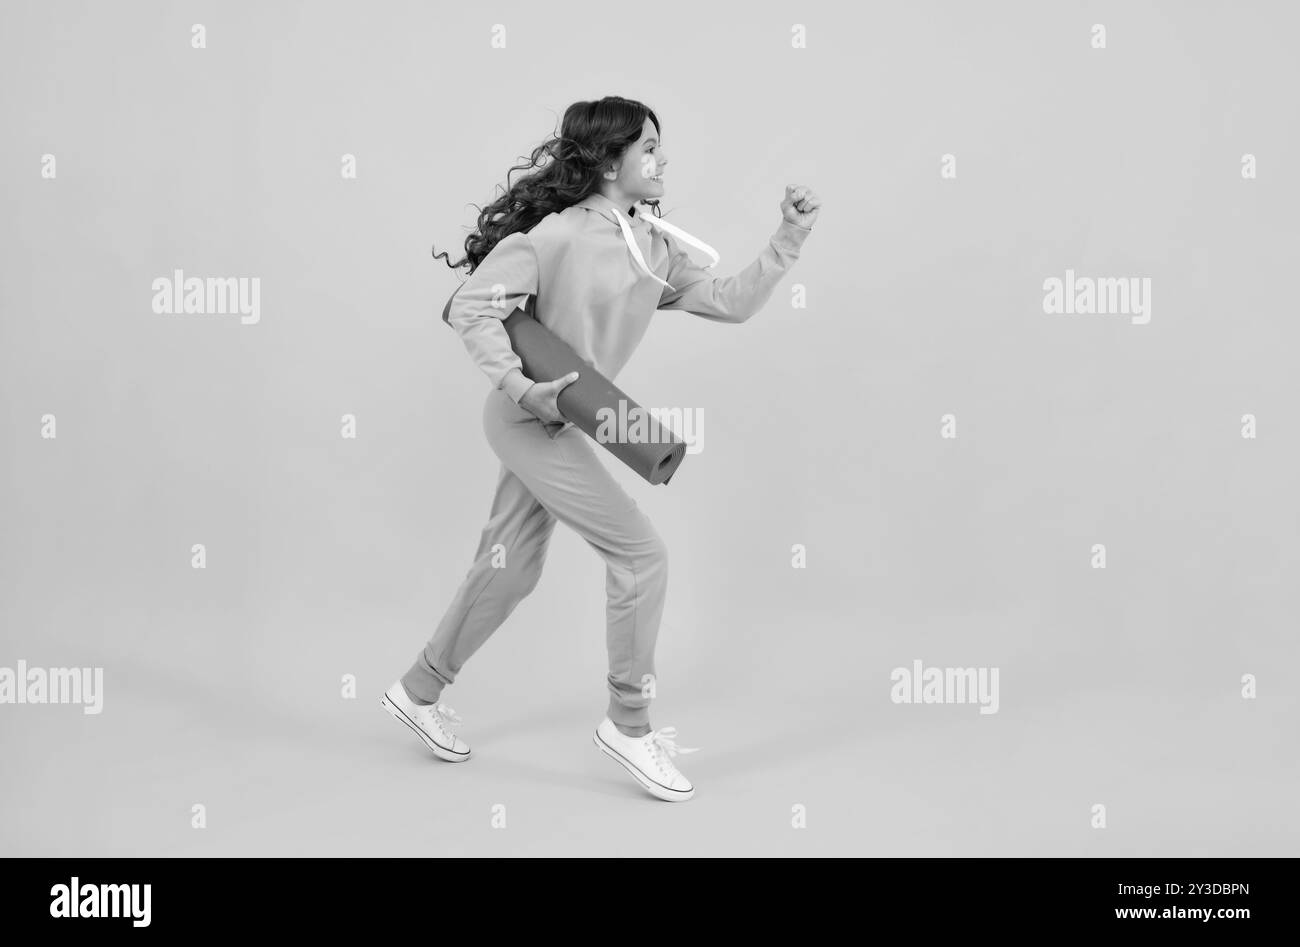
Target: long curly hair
x=592, y=134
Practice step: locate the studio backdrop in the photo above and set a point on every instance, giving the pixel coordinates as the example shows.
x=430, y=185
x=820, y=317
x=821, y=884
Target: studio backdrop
x=986, y=539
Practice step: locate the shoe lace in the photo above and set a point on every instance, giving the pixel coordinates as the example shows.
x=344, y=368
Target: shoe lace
x=442, y=715
x=663, y=744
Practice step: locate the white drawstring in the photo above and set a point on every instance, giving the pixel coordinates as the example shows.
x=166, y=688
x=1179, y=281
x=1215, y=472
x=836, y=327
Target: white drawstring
x=684, y=237
x=676, y=231
x=636, y=251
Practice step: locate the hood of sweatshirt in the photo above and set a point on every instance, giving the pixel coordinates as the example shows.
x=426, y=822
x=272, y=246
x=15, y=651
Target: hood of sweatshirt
x=635, y=215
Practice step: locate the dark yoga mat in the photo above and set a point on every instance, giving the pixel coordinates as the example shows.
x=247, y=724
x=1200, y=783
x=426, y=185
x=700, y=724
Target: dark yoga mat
x=547, y=357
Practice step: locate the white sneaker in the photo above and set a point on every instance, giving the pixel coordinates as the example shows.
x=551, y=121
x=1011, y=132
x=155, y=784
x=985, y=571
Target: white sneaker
x=648, y=759
x=429, y=721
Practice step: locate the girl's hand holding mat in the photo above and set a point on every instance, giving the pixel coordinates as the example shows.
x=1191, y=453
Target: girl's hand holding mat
x=541, y=399
x=593, y=404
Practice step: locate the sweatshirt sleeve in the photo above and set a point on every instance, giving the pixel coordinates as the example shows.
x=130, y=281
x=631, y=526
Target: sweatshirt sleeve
x=731, y=298
x=500, y=284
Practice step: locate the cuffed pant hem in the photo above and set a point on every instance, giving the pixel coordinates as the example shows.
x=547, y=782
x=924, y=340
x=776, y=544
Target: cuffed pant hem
x=422, y=684
x=626, y=716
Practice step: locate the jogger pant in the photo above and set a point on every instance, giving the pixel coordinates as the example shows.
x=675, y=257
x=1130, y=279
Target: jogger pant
x=552, y=472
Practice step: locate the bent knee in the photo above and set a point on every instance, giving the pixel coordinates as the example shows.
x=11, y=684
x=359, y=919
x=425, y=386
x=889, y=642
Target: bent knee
x=522, y=569
x=651, y=552
x=526, y=580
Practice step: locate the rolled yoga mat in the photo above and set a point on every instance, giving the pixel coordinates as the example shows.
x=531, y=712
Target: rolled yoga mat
x=546, y=357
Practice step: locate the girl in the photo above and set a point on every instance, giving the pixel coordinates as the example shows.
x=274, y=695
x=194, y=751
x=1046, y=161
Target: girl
x=573, y=236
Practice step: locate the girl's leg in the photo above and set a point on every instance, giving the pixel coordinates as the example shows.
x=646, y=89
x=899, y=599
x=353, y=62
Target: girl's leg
x=498, y=581
x=559, y=467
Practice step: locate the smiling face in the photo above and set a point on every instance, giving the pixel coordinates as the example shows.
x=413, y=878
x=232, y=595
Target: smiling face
x=640, y=173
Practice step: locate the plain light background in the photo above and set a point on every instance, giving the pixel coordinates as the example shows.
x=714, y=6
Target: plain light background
x=328, y=557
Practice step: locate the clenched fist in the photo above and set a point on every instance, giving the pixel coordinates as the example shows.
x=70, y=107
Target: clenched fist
x=800, y=205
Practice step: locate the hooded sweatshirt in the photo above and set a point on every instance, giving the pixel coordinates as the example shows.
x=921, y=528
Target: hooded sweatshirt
x=599, y=273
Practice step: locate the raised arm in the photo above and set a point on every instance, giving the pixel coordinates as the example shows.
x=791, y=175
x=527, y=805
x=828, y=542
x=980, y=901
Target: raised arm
x=736, y=298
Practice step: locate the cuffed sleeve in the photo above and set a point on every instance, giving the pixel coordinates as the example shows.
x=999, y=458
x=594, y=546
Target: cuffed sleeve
x=731, y=298
x=515, y=384
x=500, y=284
